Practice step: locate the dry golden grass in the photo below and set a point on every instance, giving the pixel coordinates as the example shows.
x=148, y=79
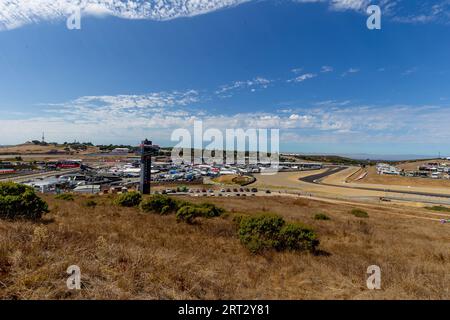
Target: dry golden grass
x=125, y=254
x=29, y=149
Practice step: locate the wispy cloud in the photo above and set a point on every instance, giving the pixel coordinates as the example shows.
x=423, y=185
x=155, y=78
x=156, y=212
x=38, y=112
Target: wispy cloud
x=326, y=69
x=409, y=71
x=356, y=5
x=437, y=12
x=350, y=71
x=303, y=77
x=16, y=13
x=252, y=85
x=122, y=118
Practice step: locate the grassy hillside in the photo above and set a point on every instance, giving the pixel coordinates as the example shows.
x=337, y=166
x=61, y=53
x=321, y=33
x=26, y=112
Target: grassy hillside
x=126, y=254
x=325, y=159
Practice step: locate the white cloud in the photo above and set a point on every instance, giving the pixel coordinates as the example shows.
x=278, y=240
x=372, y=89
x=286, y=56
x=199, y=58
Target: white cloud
x=16, y=13
x=409, y=71
x=127, y=118
x=350, y=71
x=357, y=5
x=253, y=85
x=326, y=69
x=303, y=77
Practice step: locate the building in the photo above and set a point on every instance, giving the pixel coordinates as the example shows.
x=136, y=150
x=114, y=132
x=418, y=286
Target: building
x=384, y=168
x=120, y=151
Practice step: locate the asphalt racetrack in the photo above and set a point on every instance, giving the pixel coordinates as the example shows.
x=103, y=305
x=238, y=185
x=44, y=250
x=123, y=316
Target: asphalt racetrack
x=317, y=177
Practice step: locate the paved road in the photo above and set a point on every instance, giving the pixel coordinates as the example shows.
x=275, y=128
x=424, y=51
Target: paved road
x=43, y=175
x=317, y=177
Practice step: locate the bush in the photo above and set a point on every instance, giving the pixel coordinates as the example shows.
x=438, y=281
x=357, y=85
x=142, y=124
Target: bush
x=65, y=196
x=189, y=212
x=439, y=208
x=160, y=204
x=185, y=211
x=260, y=232
x=90, y=203
x=17, y=200
x=210, y=210
x=270, y=231
x=321, y=216
x=129, y=199
x=359, y=213
x=295, y=236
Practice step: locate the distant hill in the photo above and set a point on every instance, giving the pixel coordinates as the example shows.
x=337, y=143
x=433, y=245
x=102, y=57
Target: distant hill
x=46, y=148
x=325, y=159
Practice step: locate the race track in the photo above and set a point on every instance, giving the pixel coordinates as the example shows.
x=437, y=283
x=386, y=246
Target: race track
x=320, y=176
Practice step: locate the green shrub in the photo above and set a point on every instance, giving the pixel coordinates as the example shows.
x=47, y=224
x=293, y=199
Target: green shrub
x=260, y=232
x=17, y=200
x=359, y=213
x=321, y=216
x=295, y=236
x=160, y=204
x=185, y=211
x=439, y=208
x=270, y=231
x=129, y=199
x=65, y=196
x=210, y=210
x=90, y=203
x=188, y=212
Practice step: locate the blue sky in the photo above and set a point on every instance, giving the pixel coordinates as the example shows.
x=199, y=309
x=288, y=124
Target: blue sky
x=312, y=69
